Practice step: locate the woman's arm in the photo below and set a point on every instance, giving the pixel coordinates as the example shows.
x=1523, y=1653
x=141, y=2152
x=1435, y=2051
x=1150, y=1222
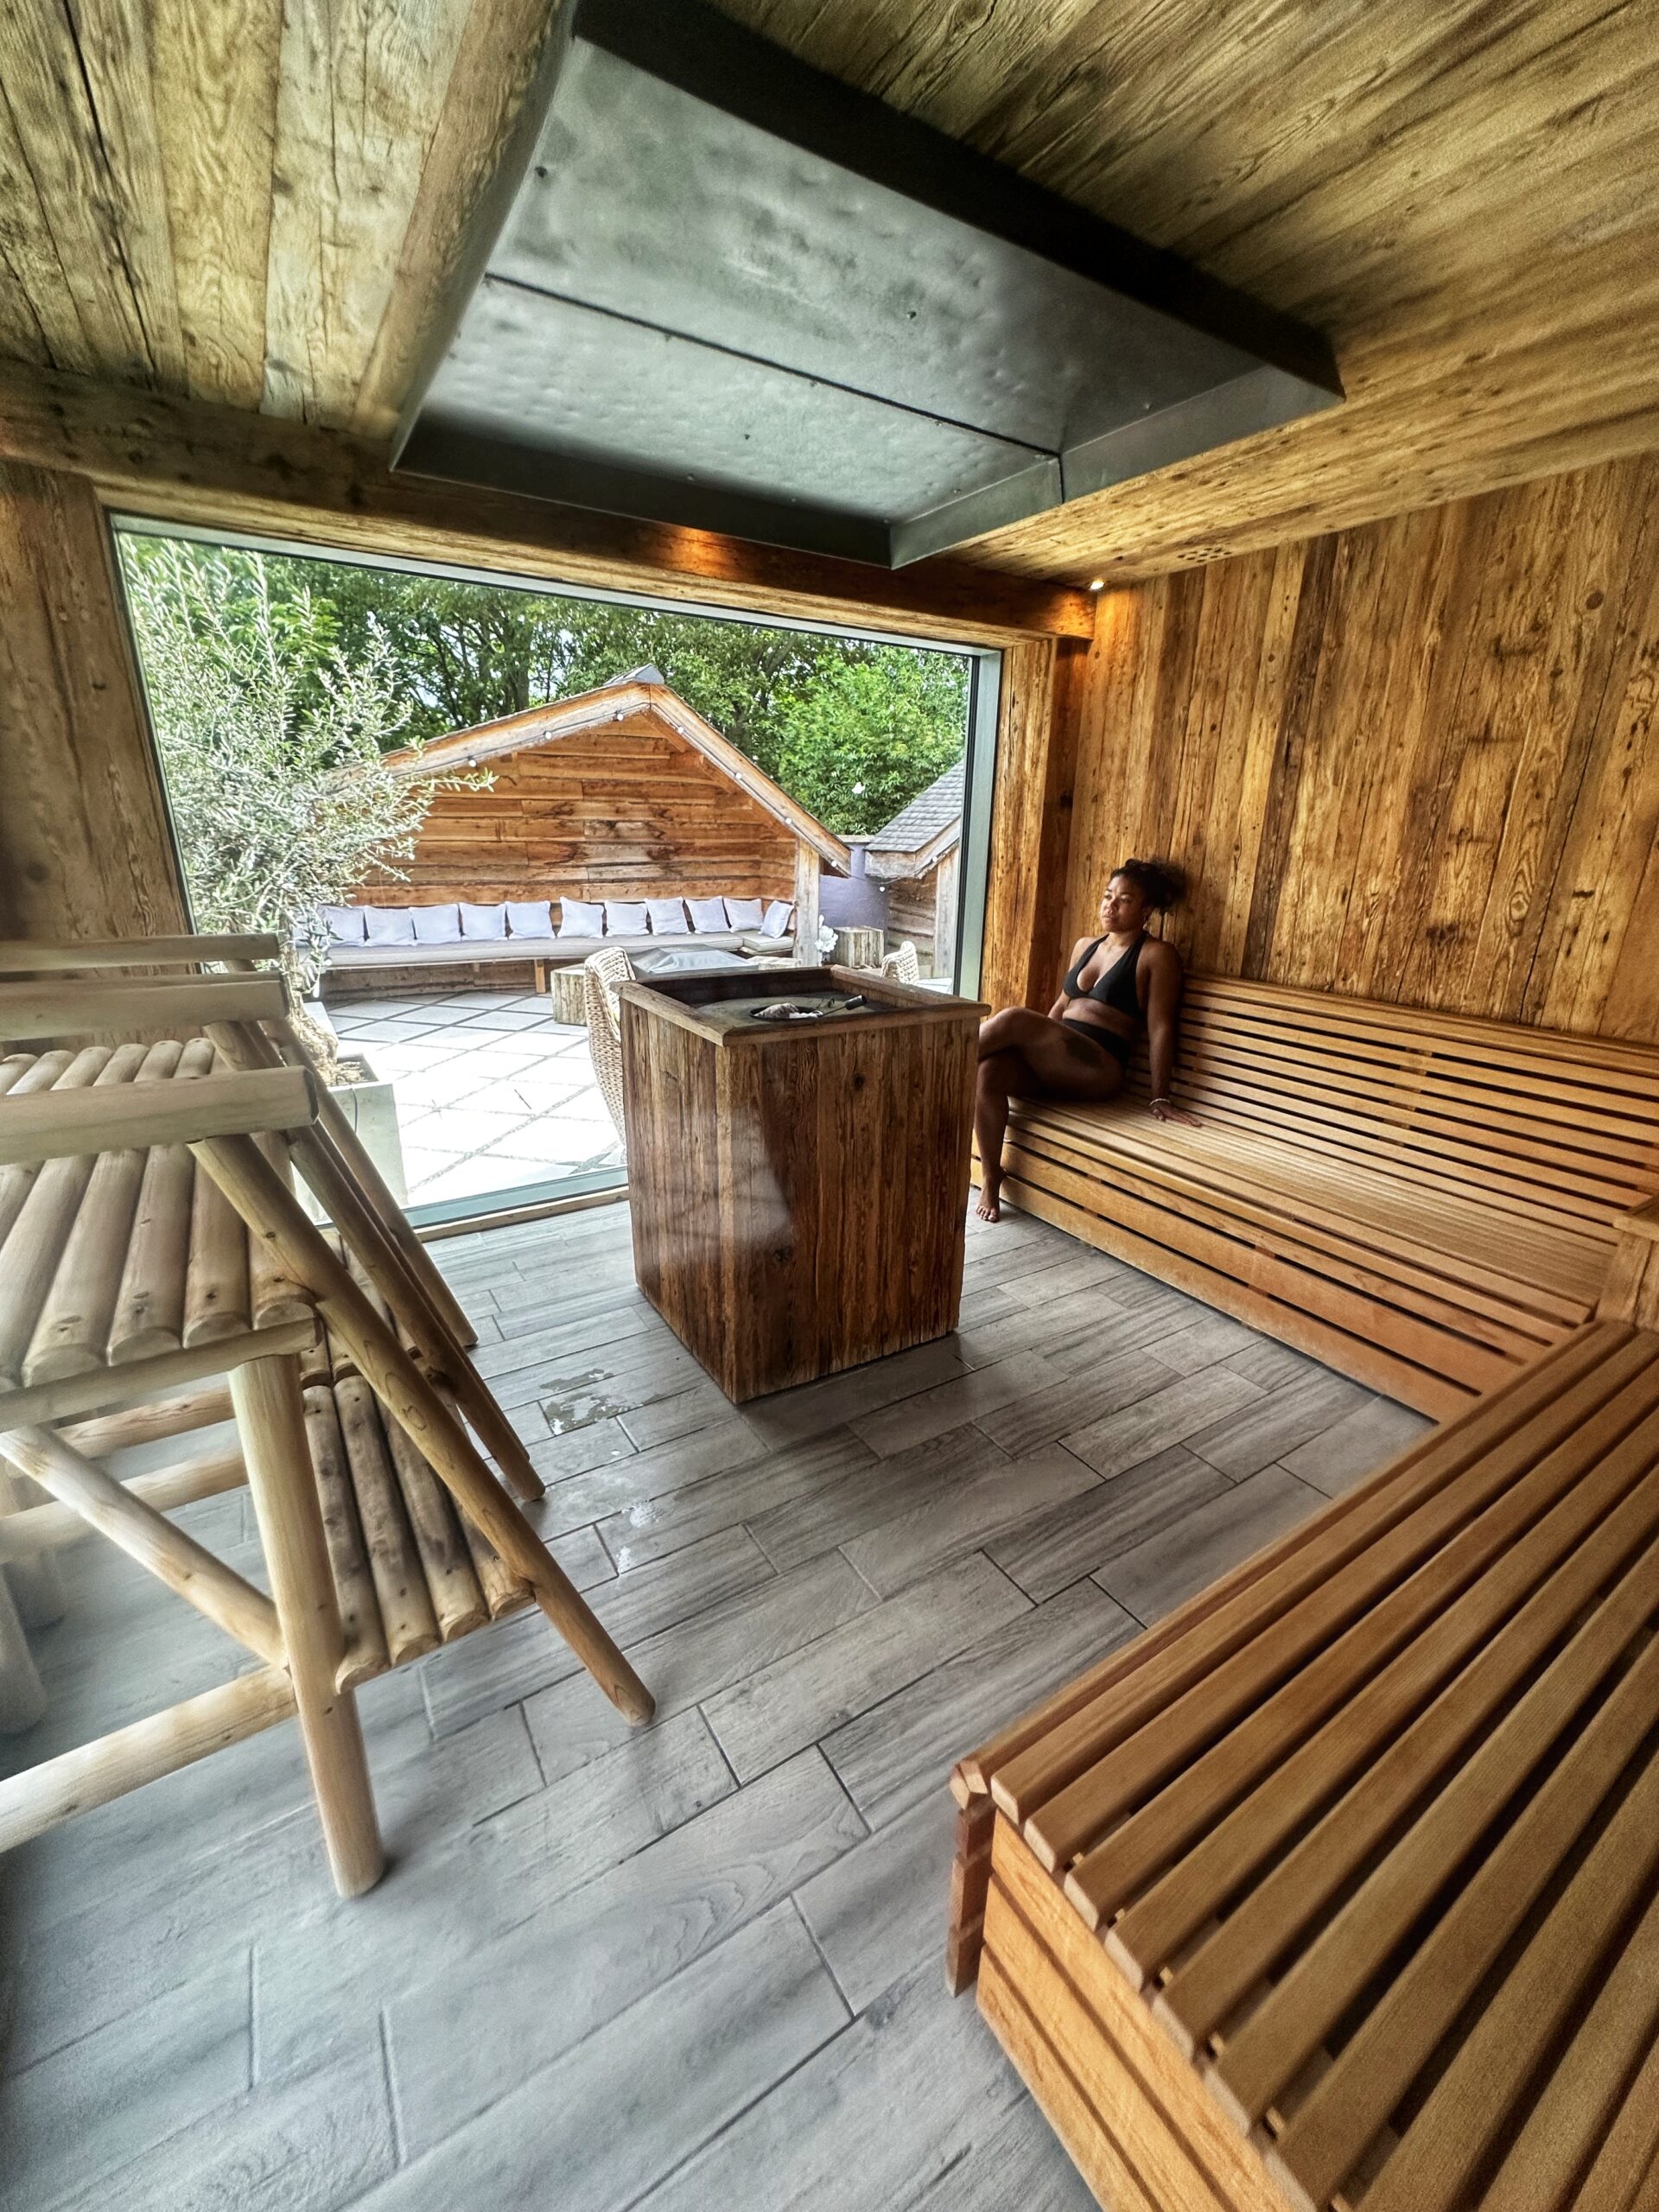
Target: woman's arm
x=1163, y=1010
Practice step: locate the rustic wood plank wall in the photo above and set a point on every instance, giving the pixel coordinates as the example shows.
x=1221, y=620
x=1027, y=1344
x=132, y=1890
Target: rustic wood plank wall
x=1415, y=762
x=84, y=850
x=629, y=813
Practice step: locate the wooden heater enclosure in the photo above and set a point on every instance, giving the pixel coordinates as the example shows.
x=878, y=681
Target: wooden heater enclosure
x=798, y=1190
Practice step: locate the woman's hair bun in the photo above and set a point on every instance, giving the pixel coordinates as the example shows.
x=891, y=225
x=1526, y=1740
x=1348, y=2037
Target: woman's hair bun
x=1160, y=883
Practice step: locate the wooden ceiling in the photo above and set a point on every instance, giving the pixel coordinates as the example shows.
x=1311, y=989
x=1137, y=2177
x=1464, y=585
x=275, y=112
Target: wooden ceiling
x=260, y=207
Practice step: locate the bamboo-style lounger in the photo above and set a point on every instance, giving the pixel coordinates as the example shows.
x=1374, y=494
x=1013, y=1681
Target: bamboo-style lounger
x=1341, y=1884
x=150, y=1241
x=1422, y=1201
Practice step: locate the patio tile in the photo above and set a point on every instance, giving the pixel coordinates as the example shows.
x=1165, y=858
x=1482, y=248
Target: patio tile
x=507, y=1017
x=560, y=1140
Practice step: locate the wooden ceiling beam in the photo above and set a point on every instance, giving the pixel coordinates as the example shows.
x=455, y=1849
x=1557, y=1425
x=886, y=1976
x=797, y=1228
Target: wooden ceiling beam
x=221, y=469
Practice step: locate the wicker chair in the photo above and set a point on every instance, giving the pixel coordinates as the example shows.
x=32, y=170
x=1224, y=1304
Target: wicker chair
x=901, y=965
x=603, y=975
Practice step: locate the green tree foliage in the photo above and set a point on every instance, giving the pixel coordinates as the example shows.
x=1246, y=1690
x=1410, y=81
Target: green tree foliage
x=822, y=715
x=866, y=736
x=272, y=740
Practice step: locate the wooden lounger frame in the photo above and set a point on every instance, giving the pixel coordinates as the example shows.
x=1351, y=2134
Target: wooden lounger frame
x=1343, y=1883
x=150, y=1237
x=1424, y=1202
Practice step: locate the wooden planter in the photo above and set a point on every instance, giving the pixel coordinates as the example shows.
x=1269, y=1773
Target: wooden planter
x=798, y=1191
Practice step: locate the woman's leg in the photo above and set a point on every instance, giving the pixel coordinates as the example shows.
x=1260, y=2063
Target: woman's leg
x=1026, y=1055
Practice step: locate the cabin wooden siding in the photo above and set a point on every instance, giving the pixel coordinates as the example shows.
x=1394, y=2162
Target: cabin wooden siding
x=1414, y=762
x=629, y=812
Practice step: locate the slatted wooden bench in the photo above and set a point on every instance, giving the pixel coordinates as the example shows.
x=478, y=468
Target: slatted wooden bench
x=150, y=1240
x=1341, y=1886
x=1423, y=1201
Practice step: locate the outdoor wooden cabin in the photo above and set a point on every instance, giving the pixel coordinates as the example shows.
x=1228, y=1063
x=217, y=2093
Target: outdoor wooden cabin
x=1279, y=1523
x=917, y=857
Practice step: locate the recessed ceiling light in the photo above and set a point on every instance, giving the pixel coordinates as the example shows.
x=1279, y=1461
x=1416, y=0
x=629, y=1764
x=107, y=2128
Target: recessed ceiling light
x=1096, y=583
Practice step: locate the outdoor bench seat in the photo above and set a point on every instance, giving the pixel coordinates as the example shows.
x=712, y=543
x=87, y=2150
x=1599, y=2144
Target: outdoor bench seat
x=554, y=952
x=1339, y=1884
x=1422, y=1201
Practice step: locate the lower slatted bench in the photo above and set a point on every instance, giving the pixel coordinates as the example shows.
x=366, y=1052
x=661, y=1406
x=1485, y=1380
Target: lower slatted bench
x=1341, y=1886
x=1422, y=1201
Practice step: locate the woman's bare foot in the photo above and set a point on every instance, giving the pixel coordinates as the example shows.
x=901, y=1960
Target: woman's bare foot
x=989, y=1207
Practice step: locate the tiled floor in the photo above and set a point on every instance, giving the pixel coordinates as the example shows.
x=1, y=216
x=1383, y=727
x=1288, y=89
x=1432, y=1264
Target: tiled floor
x=698, y=1966
x=491, y=1092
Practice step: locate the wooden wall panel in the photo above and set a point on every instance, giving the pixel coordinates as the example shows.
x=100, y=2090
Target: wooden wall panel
x=1415, y=762
x=85, y=849
x=633, y=813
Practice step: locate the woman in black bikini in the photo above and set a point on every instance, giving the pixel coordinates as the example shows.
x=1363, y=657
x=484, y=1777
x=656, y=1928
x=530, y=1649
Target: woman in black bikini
x=1080, y=1048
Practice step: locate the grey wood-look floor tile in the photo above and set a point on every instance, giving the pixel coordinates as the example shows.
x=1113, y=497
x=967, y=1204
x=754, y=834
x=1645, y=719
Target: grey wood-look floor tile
x=324, y=1974
x=530, y=1339
x=837, y=1511
x=580, y=1552
x=1156, y=1576
x=63, y=2127
x=651, y=1527
x=312, y=2145
x=133, y=1939
x=460, y=2041
x=950, y=1405
x=1097, y=1318
x=697, y=1406
x=595, y=1496
x=1072, y=1269
x=1022, y=2163
x=989, y=1303
x=699, y=1657
x=606, y=1378
x=793, y=1414
x=1364, y=1438
x=1169, y=1416
x=979, y=1505
x=1244, y=1442
x=1056, y=1548
x=880, y=1912
x=601, y=1444
x=899, y=2100
x=803, y=1697
x=1068, y=1402
x=904, y=1748
x=593, y=2129
x=1204, y=1344
x=992, y=1260
x=513, y=1658
x=1273, y=1365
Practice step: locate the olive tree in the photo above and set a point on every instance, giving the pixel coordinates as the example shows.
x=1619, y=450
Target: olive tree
x=272, y=742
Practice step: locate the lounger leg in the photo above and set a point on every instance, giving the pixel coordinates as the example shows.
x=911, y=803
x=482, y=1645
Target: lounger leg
x=270, y=1417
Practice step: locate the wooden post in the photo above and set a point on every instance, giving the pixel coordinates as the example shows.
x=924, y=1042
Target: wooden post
x=807, y=869
x=270, y=1418
x=36, y=1586
x=945, y=914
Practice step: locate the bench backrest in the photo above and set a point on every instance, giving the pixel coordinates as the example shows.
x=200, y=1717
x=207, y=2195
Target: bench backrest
x=1530, y=1121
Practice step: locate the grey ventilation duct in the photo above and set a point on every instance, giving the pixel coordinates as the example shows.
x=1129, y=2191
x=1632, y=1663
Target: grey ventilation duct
x=711, y=286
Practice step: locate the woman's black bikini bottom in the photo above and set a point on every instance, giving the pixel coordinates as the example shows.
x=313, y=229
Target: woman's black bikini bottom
x=1108, y=1039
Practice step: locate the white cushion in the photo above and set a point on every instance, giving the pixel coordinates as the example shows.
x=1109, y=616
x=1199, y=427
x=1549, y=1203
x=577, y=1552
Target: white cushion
x=779, y=915
x=707, y=914
x=743, y=914
x=580, y=917
x=436, y=925
x=483, y=921
x=388, y=925
x=667, y=917
x=529, y=918
x=625, y=917
x=344, y=923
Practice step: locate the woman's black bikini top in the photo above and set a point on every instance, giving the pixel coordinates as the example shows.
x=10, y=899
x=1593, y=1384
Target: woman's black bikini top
x=1116, y=988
